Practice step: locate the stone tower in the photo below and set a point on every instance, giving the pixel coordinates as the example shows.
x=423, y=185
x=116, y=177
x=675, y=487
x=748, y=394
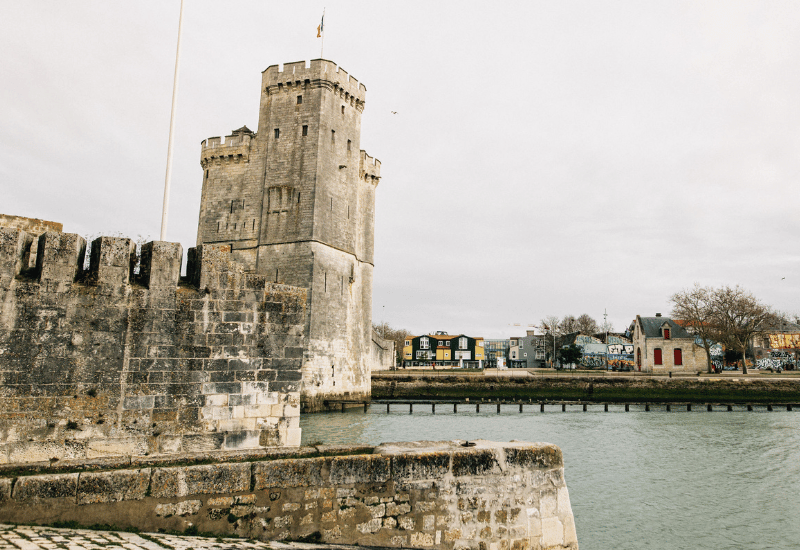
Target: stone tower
x=296, y=202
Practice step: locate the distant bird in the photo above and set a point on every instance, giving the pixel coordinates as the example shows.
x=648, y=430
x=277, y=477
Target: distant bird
x=394, y=112
x=783, y=278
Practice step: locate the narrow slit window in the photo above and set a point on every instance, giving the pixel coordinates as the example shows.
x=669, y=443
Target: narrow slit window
x=299, y=100
x=348, y=145
x=325, y=275
x=342, y=109
x=305, y=129
x=333, y=135
x=277, y=133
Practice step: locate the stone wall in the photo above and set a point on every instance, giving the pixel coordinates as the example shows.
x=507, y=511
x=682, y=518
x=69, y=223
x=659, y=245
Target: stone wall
x=108, y=361
x=443, y=495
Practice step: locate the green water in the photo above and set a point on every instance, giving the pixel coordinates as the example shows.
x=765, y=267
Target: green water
x=637, y=480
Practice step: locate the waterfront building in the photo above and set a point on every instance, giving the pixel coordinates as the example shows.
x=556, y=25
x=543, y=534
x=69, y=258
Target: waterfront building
x=443, y=350
x=497, y=352
x=662, y=345
x=531, y=352
x=778, y=346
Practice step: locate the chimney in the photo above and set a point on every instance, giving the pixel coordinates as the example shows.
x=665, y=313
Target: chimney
x=658, y=315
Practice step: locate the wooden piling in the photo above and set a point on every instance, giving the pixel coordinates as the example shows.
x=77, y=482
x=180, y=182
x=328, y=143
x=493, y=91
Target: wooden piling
x=520, y=407
x=584, y=407
x=749, y=407
x=498, y=408
x=627, y=407
x=688, y=407
x=433, y=408
x=477, y=407
x=366, y=406
x=387, y=408
x=563, y=407
x=342, y=407
x=788, y=407
x=410, y=408
x=769, y=407
x=730, y=407
x=669, y=407
x=606, y=407
x=709, y=408
x=455, y=407
x=541, y=407
x=647, y=407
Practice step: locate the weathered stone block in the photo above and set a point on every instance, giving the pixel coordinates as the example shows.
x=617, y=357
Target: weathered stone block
x=360, y=469
x=37, y=488
x=419, y=466
x=113, y=486
x=160, y=267
x=5, y=490
x=196, y=480
x=475, y=462
x=185, y=508
x=542, y=457
x=290, y=473
x=59, y=257
x=110, y=261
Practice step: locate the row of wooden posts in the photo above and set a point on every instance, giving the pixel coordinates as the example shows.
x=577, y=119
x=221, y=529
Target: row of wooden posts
x=709, y=406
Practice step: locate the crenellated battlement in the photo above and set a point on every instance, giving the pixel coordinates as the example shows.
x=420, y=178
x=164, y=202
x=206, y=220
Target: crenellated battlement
x=314, y=74
x=369, y=167
x=232, y=148
x=126, y=358
x=112, y=263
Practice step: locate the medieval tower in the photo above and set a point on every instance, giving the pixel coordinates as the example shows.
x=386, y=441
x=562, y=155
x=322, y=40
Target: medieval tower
x=295, y=201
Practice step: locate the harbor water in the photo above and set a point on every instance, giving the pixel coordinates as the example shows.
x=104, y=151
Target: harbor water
x=658, y=480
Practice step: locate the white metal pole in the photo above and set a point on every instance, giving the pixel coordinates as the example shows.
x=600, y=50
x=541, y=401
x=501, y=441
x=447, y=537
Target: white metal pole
x=165, y=208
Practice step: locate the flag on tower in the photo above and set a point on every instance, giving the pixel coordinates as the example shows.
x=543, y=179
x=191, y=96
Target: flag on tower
x=321, y=26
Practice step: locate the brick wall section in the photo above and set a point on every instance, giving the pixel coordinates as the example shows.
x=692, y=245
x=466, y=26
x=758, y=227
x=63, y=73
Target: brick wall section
x=493, y=496
x=103, y=362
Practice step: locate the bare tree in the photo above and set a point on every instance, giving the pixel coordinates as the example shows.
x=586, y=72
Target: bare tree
x=696, y=306
x=552, y=328
x=739, y=316
x=569, y=324
x=586, y=325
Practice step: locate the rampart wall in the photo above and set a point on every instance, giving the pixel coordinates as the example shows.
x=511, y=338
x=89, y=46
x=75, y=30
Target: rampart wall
x=440, y=495
x=116, y=360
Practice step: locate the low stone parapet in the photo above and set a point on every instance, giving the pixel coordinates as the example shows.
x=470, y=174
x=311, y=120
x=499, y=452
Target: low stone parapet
x=442, y=495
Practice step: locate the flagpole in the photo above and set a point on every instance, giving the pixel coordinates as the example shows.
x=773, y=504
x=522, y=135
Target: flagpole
x=322, y=34
x=165, y=208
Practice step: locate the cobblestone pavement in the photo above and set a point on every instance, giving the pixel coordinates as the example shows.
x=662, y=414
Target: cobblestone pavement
x=17, y=537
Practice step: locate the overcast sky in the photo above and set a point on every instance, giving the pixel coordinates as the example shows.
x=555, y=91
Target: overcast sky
x=545, y=158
